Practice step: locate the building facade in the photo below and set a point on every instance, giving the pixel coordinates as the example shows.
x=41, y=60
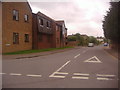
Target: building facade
x=48, y=33
x=63, y=33
x=43, y=31
x=58, y=34
x=16, y=26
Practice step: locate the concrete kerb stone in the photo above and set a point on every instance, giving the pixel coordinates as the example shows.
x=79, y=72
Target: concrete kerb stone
x=32, y=55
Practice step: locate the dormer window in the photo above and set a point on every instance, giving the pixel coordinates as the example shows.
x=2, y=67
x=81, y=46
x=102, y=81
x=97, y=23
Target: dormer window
x=48, y=24
x=41, y=21
x=15, y=15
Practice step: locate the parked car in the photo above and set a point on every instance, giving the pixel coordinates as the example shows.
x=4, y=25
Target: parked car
x=90, y=44
x=105, y=44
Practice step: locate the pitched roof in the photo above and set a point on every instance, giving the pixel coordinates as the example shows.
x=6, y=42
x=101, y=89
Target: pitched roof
x=45, y=16
x=60, y=22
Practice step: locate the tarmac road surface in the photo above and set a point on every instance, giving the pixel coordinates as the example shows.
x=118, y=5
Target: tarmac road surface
x=86, y=67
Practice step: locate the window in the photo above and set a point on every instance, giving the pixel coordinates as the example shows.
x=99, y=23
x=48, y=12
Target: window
x=39, y=37
x=57, y=28
x=48, y=24
x=41, y=21
x=15, y=38
x=26, y=37
x=26, y=18
x=15, y=15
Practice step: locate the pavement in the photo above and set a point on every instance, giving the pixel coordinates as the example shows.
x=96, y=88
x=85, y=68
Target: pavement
x=81, y=67
x=31, y=55
x=112, y=52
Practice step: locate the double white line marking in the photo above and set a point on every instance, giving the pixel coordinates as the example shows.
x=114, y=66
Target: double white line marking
x=105, y=77
x=80, y=76
x=58, y=74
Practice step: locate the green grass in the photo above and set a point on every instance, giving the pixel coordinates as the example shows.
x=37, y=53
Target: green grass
x=34, y=51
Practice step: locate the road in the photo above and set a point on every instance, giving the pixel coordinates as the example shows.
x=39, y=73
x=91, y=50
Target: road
x=81, y=67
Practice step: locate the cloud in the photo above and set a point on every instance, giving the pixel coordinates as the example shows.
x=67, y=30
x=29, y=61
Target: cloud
x=81, y=16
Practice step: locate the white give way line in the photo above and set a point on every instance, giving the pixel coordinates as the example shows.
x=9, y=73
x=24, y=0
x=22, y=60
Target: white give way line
x=105, y=77
x=2, y=73
x=15, y=74
x=80, y=76
x=30, y=75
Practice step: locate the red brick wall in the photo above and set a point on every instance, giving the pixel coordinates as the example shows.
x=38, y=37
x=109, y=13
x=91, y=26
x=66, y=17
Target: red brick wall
x=44, y=43
x=9, y=26
x=34, y=31
x=72, y=43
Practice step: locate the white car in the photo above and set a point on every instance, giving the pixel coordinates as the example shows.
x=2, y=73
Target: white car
x=90, y=44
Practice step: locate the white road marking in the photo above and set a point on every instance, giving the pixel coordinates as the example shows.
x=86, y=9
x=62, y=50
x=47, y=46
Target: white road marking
x=30, y=75
x=99, y=78
x=57, y=71
x=15, y=74
x=61, y=73
x=81, y=74
x=57, y=76
x=77, y=56
x=2, y=73
x=63, y=66
x=75, y=77
x=94, y=57
x=105, y=75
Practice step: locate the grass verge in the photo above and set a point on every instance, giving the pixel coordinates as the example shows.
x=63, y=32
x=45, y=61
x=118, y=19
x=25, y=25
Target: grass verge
x=34, y=51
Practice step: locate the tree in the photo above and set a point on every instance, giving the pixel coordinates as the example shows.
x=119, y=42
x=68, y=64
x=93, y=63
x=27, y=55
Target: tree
x=72, y=38
x=93, y=40
x=110, y=24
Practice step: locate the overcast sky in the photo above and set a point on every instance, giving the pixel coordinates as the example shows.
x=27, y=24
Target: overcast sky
x=80, y=16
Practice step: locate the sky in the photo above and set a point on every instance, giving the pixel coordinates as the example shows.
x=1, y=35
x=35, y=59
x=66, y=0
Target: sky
x=80, y=16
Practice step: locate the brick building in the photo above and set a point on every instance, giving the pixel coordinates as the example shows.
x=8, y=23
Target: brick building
x=63, y=33
x=43, y=31
x=16, y=26
x=58, y=35
x=47, y=33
